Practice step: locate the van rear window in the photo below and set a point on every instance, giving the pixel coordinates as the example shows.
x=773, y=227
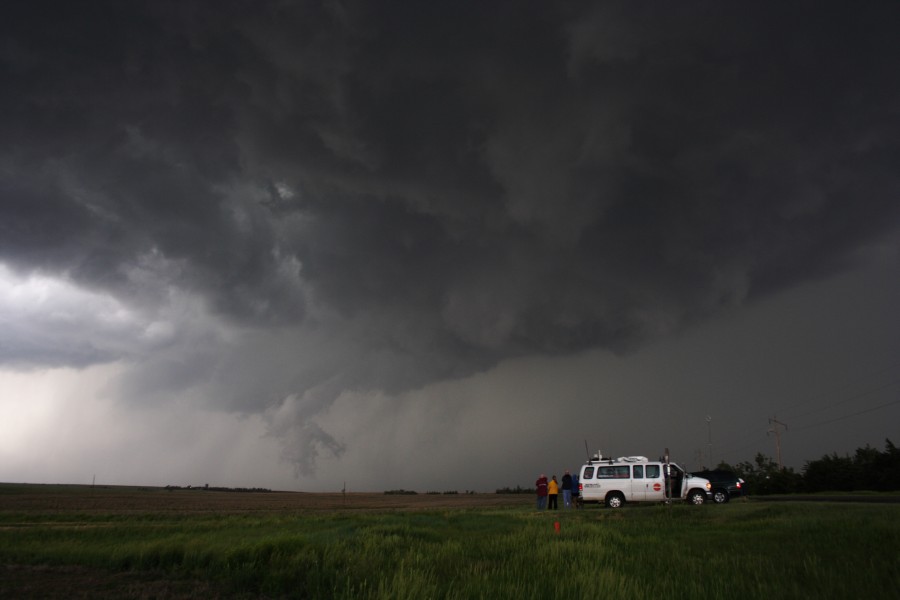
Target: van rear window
x=588, y=473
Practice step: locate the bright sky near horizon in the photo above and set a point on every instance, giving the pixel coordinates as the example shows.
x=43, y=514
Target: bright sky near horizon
x=443, y=245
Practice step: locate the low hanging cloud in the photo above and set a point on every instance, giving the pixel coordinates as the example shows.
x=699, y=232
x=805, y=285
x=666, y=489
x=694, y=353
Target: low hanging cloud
x=287, y=201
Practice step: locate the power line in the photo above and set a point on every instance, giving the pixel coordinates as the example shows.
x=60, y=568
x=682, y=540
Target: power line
x=865, y=377
x=845, y=400
x=751, y=440
x=757, y=441
x=774, y=422
x=862, y=412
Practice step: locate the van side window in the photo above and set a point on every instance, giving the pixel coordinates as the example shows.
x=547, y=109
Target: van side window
x=613, y=472
x=638, y=471
x=652, y=471
x=588, y=473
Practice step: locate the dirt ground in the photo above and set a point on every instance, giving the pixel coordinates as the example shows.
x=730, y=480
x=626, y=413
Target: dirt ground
x=112, y=500
x=58, y=582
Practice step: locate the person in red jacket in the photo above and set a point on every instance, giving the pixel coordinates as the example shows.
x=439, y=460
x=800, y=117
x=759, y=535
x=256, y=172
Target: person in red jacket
x=541, y=486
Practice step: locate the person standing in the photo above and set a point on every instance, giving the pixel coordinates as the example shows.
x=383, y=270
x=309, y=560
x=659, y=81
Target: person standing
x=567, y=489
x=576, y=492
x=553, y=493
x=541, y=488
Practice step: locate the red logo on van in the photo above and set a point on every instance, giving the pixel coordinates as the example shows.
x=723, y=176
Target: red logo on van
x=656, y=487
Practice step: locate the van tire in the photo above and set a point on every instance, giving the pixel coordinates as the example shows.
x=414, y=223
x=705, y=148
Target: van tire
x=720, y=496
x=615, y=500
x=696, y=497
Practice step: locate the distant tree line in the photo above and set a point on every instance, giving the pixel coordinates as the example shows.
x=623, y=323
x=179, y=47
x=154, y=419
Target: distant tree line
x=402, y=492
x=208, y=488
x=869, y=469
x=516, y=490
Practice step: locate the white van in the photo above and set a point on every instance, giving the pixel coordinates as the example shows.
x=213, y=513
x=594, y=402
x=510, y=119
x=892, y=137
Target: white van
x=638, y=479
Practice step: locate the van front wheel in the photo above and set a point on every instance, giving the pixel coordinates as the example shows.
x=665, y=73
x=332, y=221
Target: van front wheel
x=696, y=497
x=615, y=501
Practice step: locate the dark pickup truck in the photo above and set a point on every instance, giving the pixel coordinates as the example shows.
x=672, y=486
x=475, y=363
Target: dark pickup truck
x=725, y=484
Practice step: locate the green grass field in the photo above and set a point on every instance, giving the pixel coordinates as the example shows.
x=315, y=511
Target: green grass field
x=106, y=547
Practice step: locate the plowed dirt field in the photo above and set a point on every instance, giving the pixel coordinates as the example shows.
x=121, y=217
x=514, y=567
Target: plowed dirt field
x=116, y=499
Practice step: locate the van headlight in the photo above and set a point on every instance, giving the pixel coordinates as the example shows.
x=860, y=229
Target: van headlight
x=708, y=485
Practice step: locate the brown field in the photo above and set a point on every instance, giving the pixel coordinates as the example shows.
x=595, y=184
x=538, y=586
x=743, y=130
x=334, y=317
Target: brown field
x=121, y=499
x=68, y=582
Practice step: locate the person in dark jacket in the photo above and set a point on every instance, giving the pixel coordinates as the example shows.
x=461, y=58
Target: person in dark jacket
x=576, y=492
x=567, y=489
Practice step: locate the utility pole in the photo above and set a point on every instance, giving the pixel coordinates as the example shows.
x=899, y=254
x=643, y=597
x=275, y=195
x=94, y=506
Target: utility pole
x=775, y=423
x=667, y=473
x=709, y=439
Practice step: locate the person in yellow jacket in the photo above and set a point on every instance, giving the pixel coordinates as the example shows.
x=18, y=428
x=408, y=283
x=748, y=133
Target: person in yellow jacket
x=552, y=493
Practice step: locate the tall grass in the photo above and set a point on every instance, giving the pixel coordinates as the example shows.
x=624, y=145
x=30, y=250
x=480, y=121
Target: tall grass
x=757, y=551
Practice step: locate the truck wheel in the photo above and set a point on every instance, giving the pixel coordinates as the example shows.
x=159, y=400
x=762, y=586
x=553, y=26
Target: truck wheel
x=615, y=500
x=696, y=497
x=720, y=496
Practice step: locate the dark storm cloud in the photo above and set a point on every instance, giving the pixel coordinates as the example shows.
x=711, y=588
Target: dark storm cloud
x=390, y=194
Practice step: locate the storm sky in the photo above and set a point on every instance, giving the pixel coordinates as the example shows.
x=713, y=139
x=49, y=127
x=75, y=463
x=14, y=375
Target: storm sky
x=443, y=245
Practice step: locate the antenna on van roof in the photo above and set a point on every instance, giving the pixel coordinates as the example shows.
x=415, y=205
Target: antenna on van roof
x=586, y=451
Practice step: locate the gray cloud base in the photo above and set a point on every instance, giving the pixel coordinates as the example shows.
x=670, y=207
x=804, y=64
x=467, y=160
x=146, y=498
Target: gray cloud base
x=370, y=198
